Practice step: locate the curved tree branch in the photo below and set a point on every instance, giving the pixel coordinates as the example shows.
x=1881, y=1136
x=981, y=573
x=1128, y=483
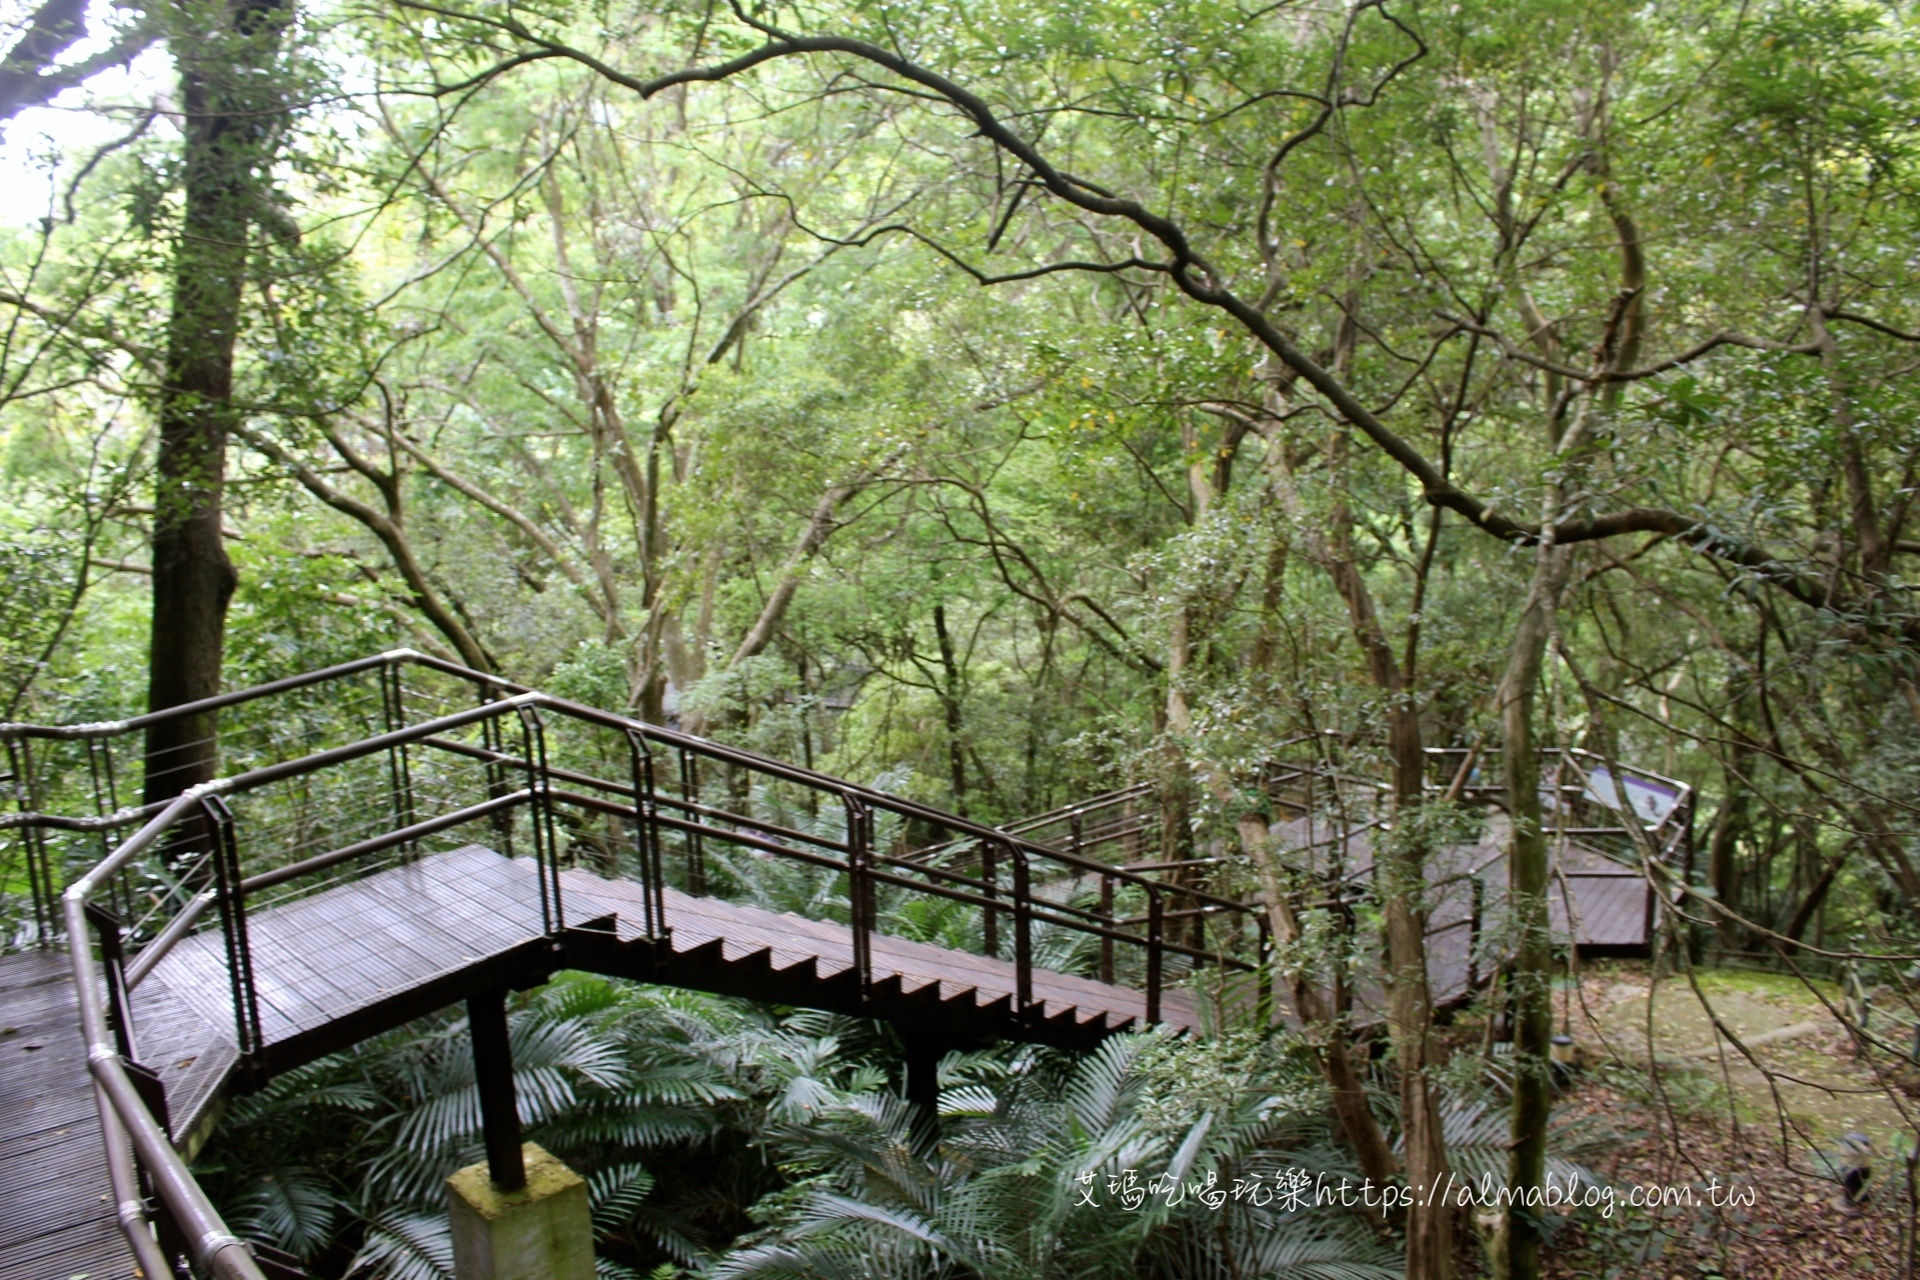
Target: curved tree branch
x=1196, y=277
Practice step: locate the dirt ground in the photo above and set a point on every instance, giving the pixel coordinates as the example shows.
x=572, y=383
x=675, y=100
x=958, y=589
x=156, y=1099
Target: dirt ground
x=1710, y=1124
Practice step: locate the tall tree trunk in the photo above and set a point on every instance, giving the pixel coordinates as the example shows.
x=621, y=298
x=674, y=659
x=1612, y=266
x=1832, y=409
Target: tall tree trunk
x=1402, y=865
x=819, y=528
x=231, y=114
x=1402, y=870
x=1402, y=888
x=1401, y=875
x=1317, y=1013
x=1723, y=867
x=1176, y=781
x=950, y=700
x=1516, y=1252
x=1803, y=915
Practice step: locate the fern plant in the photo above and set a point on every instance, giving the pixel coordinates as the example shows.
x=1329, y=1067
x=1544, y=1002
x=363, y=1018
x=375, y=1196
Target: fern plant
x=1020, y=1186
x=343, y=1162
x=782, y=1152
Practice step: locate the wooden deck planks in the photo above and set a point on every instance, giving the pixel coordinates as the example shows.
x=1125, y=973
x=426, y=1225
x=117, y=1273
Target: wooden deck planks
x=356, y=944
x=192, y=1057
x=744, y=930
x=1607, y=911
x=56, y=1213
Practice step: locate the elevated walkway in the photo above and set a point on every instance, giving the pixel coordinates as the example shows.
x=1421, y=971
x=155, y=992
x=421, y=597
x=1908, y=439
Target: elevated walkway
x=57, y=1216
x=401, y=834
x=361, y=958
x=364, y=957
x=261, y=921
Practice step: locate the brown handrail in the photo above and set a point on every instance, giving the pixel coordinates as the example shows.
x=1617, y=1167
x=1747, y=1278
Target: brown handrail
x=135, y=724
x=212, y=1246
x=380, y=843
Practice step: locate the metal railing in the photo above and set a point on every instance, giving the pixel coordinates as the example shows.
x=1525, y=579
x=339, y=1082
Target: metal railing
x=1587, y=805
x=1120, y=826
x=571, y=787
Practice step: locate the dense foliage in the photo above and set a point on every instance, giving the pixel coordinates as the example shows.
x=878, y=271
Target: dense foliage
x=840, y=401
x=702, y=1123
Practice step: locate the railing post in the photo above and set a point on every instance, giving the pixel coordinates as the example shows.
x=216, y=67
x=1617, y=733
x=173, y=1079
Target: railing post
x=1263, y=1005
x=1475, y=918
x=696, y=850
x=1155, y=923
x=113, y=956
x=646, y=836
x=546, y=852
x=104, y=803
x=493, y=739
x=1106, y=916
x=990, y=914
x=173, y=1241
x=399, y=762
x=233, y=923
x=100, y=773
x=33, y=843
x=860, y=891
x=1022, y=933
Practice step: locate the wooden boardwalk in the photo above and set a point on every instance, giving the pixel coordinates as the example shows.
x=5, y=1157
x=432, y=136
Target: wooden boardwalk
x=56, y=1214
x=371, y=954
x=1603, y=907
x=367, y=955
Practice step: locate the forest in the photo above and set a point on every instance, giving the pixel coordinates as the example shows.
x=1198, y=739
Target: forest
x=1001, y=404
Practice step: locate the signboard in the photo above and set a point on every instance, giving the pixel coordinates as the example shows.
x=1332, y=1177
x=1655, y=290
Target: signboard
x=1652, y=800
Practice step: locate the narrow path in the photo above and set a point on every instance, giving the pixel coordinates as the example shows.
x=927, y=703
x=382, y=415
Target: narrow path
x=56, y=1215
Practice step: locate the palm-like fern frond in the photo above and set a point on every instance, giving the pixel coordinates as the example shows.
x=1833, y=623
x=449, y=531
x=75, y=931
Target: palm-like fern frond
x=616, y=1193
x=405, y=1244
x=295, y=1207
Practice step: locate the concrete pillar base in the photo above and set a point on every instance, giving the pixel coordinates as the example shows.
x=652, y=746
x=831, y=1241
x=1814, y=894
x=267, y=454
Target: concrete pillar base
x=540, y=1232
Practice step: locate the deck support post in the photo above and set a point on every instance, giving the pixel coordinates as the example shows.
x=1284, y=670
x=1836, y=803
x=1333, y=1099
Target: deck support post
x=921, y=1085
x=541, y=1231
x=493, y=1076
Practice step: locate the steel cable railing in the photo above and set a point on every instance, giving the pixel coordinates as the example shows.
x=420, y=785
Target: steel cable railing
x=210, y=1244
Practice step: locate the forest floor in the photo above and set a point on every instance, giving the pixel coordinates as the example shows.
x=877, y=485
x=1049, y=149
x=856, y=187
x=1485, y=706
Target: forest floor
x=1710, y=1125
